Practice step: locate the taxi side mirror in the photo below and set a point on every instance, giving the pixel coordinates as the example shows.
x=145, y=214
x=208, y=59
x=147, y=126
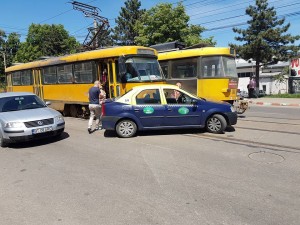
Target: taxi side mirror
x=194, y=101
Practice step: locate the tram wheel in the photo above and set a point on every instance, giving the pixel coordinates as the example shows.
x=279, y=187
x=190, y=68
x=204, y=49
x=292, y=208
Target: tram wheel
x=73, y=110
x=66, y=111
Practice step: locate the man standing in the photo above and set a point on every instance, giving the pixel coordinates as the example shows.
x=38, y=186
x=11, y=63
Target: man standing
x=94, y=105
x=252, y=86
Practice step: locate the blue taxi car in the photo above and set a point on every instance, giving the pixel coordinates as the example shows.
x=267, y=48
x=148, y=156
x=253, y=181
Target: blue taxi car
x=163, y=106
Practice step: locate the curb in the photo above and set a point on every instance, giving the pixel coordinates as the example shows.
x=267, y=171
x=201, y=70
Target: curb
x=274, y=104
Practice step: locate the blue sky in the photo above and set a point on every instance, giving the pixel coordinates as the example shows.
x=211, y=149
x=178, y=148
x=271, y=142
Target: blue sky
x=217, y=16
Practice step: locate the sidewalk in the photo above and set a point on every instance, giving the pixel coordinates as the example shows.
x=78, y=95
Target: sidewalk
x=291, y=102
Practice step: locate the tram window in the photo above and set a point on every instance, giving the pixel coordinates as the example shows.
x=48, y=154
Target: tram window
x=164, y=67
x=212, y=67
x=26, y=77
x=84, y=72
x=64, y=74
x=49, y=75
x=16, y=78
x=184, y=68
x=117, y=71
x=110, y=75
x=229, y=66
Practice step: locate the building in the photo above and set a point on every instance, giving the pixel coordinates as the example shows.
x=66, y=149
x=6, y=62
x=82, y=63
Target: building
x=267, y=76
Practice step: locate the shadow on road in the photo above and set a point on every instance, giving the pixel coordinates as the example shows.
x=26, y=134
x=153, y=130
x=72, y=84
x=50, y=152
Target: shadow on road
x=40, y=142
x=113, y=134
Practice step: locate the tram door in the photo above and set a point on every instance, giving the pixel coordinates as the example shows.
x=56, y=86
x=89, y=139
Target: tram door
x=37, y=83
x=104, y=76
x=114, y=83
x=9, y=86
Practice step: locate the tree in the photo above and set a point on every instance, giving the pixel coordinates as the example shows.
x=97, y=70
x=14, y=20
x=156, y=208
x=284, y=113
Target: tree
x=266, y=37
x=105, y=38
x=9, y=46
x=124, y=32
x=281, y=78
x=163, y=23
x=46, y=40
x=2, y=51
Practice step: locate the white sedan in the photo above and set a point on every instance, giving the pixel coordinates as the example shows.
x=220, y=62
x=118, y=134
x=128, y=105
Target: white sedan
x=24, y=116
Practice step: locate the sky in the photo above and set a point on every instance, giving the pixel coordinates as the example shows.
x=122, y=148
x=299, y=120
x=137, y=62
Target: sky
x=217, y=16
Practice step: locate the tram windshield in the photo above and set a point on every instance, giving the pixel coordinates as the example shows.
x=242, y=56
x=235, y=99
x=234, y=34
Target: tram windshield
x=142, y=69
x=218, y=66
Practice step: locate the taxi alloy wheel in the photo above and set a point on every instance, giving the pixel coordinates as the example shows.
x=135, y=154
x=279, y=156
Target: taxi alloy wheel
x=216, y=124
x=126, y=128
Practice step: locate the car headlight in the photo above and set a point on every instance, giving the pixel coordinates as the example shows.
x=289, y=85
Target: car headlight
x=232, y=109
x=59, y=119
x=13, y=125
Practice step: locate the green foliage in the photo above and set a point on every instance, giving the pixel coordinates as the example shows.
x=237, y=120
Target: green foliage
x=105, y=38
x=2, y=50
x=280, y=78
x=9, y=45
x=284, y=96
x=265, y=36
x=124, y=32
x=46, y=40
x=163, y=23
x=27, y=53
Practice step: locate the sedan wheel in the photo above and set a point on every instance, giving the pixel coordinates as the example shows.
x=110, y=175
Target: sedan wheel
x=2, y=142
x=126, y=128
x=216, y=124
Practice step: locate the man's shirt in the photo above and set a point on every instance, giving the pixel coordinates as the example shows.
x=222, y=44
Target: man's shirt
x=94, y=93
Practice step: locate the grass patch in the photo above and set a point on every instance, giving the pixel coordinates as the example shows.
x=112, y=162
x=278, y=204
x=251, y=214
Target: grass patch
x=283, y=96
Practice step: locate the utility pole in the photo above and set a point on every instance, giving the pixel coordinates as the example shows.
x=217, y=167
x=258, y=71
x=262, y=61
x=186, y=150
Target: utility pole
x=92, y=11
x=4, y=59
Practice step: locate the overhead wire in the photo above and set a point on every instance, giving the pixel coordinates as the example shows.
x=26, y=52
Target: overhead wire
x=237, y=16
x=193, y=5
x=244, y=23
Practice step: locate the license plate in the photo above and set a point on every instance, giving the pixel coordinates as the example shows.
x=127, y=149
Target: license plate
x=41, y=130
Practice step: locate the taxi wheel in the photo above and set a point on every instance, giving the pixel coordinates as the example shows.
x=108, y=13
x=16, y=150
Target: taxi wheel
x=216, y=124
x=126, y=128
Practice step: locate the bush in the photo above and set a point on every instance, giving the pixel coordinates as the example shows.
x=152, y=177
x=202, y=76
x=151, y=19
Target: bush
x=284, y=96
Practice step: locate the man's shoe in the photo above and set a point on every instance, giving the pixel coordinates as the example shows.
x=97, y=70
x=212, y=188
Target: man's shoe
x=89, y=130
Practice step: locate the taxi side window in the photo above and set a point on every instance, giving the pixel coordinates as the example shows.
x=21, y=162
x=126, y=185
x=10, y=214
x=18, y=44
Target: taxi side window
x=174, y=96
x=148, y=97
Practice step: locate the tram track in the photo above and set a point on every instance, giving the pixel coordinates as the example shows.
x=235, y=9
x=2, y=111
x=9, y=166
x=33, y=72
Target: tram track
x=249, y=143
x=272, y=122
x=268, y=130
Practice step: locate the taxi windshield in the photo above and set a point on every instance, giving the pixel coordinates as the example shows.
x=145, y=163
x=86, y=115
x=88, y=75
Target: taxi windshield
x=142, y=69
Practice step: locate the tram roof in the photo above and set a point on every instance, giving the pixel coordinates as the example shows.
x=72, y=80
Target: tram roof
x=185, y=53
x=84, y=56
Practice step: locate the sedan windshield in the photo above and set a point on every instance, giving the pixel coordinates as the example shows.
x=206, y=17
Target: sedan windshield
x=142, y=69
x=16, y=103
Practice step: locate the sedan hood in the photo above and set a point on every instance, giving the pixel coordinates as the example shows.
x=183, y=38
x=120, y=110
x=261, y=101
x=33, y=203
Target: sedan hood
x=29, y=114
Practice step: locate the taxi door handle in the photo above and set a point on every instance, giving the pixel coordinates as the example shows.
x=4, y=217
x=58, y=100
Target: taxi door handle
x=136, y=110
x=169, y=109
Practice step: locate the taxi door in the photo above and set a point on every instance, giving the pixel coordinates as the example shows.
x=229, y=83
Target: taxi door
x=148, y=108
x=180, y=110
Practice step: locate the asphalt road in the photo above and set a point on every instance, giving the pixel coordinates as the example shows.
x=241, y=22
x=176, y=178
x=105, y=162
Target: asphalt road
x=249, y=175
